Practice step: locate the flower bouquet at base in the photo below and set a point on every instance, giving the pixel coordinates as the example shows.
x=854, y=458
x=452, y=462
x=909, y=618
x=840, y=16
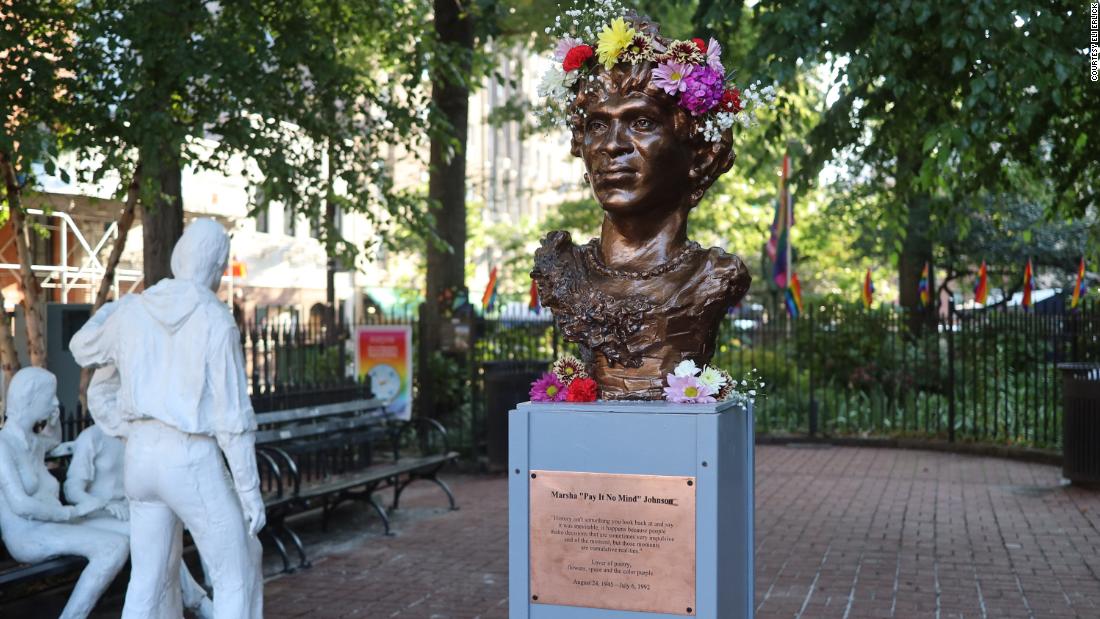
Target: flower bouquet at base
x=690, y=384
x=567, y=381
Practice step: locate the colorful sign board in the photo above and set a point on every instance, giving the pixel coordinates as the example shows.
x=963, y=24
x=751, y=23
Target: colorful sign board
x=384, y=353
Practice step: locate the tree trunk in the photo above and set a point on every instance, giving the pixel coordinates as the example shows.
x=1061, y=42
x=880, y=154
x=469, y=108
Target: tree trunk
x=916, y=250
x=447, y=181
x=161, y=225
x=125, y=222
x=32, y=292
x=9, y=358
x=916, y=247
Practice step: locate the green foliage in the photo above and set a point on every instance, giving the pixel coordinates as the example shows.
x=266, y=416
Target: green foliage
x=1006, y=231
x=304, y=364
x=950, y=100
x=581, y=218
x=305, y=98
x=35, y=74
x=449, y=379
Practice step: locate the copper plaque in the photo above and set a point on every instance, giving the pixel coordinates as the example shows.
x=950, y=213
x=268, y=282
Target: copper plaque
x=619, y=542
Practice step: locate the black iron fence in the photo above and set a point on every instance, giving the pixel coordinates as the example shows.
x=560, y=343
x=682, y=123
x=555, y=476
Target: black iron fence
x=294, y=365
x=982, y=376
x=287, y=366
x=971, y=375
x=979, y=376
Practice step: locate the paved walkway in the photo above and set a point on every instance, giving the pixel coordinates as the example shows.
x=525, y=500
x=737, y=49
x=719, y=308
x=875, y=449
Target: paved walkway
x=841, y=532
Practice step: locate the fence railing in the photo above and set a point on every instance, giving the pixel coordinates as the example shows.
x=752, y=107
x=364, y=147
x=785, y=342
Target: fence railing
x=971, y=376
x=981, y=376
x=287, y=367
x=977, y=376
x=294, y=365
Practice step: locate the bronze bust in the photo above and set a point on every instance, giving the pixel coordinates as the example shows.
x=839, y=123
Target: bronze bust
x=642, y=297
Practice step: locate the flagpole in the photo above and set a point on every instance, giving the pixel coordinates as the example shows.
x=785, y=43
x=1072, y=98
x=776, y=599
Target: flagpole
x=790, y=216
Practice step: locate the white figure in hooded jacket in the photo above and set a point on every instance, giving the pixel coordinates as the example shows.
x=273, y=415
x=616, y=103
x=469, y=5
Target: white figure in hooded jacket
x=94, y=476
x=182, y=404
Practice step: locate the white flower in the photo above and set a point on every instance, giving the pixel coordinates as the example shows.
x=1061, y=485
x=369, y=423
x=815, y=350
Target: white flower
x=686, y=367
x=556, y=82
x=712, y=379
x=724, y=120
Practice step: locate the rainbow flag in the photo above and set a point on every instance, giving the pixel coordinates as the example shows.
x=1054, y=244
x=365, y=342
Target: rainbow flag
x=1028, y=284
x=489, y=299
x=535, y=306
x=794, y=297
x=981, y=287
x=1079, y=286
x=925, y=291
x=779, y=245
x=868, y=292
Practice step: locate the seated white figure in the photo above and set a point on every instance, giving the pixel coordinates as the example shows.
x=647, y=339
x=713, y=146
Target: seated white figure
x=35, y=525
x=95, y=476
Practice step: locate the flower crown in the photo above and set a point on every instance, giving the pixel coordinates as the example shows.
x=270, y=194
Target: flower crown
x=689, y=70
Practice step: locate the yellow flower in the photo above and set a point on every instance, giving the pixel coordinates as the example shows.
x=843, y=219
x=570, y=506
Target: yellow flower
x=613, y=40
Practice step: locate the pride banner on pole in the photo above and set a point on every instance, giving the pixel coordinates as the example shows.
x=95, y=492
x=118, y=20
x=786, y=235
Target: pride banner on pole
x=384, y=353
x=1079, y=286
x=1029, y=284
x=867, y=295
x=923, y=288
x=981, y=287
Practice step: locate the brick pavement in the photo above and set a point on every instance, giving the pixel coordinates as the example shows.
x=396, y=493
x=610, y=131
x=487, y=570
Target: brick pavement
x=841, y=532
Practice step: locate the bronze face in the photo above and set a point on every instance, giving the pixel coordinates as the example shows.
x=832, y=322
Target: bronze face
x=635, y=161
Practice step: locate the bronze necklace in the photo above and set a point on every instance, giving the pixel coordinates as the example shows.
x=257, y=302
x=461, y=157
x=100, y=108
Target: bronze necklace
x=592, y=249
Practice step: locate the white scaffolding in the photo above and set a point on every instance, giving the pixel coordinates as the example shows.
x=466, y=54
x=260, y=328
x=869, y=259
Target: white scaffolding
x=67, y=275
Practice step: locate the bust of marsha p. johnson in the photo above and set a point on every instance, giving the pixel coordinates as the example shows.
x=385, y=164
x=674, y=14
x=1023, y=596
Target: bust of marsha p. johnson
x=642, y=297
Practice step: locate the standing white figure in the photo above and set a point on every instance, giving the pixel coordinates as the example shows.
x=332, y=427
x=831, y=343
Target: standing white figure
x=183, y=401
x=34, y=524
x=95, y=474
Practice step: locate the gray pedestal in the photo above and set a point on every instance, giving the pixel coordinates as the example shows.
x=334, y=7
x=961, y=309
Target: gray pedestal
x=711, y=443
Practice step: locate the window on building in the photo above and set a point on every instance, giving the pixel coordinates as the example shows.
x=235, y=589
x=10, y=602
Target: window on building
x=263, y=212
x=262, y=223
x=290, y=221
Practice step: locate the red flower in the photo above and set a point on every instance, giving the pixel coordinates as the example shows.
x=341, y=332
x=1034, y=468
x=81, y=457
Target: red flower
x=701, y=44
x=731, y=101
x=581, y=390
x=576, y=57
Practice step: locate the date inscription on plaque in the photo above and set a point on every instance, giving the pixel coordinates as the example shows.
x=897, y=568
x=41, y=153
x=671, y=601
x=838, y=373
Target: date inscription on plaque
x=617, y=542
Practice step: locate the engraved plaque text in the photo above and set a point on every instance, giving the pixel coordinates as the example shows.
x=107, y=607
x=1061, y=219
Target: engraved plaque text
x=619, y=542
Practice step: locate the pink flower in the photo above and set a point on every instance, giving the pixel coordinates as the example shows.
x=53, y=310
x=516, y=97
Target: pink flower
x=669, y=76
x=702, y=90
x=714, y=56
x=547, y=389
x=687, y=390
x=563, y=47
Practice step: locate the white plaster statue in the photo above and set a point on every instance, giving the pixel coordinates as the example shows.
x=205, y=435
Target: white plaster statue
x=182, y=404
x=95, y=475
x=34, y=524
